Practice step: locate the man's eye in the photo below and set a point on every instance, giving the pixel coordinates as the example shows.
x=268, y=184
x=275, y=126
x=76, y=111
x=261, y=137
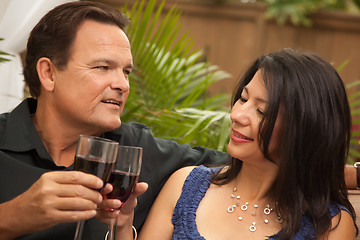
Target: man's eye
x=127, y=72
x=102, y=67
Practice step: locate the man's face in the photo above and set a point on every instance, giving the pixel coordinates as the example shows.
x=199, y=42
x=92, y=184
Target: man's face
x=91, y=92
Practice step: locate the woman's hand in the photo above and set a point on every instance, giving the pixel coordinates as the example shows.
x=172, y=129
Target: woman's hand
x=109, y=208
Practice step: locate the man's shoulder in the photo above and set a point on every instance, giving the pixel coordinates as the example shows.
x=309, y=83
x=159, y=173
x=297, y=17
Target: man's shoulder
x=130, y=133
x=17, y=121
x=3, y=119
x=134, y=126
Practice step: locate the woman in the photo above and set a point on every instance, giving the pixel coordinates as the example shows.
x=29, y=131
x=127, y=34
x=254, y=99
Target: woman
x=290, y=133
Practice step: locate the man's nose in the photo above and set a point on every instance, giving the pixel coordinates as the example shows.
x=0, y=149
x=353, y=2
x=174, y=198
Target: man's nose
x=121, y=82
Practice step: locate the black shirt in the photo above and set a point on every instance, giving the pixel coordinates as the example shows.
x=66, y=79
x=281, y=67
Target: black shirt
x=24, y=158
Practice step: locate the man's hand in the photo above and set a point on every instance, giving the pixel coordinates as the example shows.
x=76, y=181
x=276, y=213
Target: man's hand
x=55, y=198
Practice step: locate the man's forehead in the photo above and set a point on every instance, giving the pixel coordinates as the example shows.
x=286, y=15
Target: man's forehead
x=98, y=36
x=93, y=26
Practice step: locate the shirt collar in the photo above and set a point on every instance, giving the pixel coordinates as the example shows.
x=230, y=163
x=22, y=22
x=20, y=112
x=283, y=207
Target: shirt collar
x=19, y=133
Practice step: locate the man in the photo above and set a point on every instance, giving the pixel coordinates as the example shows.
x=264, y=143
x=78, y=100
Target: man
x=77, y=66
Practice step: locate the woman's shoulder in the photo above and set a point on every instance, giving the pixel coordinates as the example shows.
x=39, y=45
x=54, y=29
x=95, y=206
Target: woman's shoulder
x=180, y=175
x=342, y=223
x=194, y=171
x=190, y=179
x=176, y=181
x=335, y=208
x=183, y=171
x=342, y=226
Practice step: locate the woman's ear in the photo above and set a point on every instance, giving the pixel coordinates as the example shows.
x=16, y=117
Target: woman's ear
x=45, y=69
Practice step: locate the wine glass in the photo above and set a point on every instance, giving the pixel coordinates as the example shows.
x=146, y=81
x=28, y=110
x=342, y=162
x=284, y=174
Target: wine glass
x=123, y=178
x=97, y=156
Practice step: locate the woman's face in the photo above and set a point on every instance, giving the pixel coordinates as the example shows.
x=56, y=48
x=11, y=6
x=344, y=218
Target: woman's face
x=246, y=116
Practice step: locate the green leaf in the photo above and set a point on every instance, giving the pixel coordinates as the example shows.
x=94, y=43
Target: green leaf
x=341, y=66
x=299, y=11
x=4, y=59
x=6, y=54
x=169, y=79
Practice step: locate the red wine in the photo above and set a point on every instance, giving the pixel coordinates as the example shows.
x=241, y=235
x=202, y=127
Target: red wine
x=123, y=183
x=95, y=166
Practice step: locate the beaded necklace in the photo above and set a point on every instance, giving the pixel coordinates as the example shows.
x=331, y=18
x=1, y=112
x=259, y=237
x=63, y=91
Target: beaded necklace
x=244, y=207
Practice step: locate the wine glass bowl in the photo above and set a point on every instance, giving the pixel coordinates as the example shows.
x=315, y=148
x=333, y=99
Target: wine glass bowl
x=96, y=156
x=124, y=177
x=125, y=173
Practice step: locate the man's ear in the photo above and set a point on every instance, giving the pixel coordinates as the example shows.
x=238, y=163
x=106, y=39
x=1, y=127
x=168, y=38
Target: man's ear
x=45, y=69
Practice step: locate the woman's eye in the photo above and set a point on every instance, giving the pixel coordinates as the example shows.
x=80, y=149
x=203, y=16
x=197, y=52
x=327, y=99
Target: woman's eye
x=260, y=112
x=127, y=72
x=242, y=99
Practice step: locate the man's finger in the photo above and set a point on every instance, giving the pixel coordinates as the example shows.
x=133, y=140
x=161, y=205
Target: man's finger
x=75, y=177
x=72, y=190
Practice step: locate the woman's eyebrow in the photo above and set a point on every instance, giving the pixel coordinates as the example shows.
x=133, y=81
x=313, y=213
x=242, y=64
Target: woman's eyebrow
x=259, y=99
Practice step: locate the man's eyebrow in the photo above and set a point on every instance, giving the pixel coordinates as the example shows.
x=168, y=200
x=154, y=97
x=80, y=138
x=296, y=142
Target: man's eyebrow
x=110, y=62
x=103, y=60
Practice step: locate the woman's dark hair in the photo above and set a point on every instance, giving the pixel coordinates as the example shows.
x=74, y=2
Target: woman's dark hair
x=315, y=136
x=55, y=33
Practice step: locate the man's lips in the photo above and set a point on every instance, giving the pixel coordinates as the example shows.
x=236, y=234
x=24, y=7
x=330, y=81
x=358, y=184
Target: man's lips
x=112, y=101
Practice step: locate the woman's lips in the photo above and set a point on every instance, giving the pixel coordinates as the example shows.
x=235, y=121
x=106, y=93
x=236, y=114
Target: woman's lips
x=238, y=137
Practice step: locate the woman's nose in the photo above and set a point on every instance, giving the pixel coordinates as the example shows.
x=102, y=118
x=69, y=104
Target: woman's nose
x=240, y=113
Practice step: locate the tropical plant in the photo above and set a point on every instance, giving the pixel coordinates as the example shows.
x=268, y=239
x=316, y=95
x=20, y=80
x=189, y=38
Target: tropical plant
x=168, y=85
x=298, y=11
x=169, y=81
x=3, y=59
x=354, y=101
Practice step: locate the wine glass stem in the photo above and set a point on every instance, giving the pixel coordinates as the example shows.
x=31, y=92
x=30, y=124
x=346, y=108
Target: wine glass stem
x=112, y=229
x=79, y=230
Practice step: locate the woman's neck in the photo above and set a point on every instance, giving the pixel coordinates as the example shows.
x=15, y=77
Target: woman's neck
x=254, y=183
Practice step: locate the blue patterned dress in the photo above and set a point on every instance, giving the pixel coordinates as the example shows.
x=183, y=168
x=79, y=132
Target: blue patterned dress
x=194, y=189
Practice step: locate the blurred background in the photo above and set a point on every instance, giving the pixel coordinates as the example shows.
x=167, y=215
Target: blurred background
x=189, y=54
x=232, y=33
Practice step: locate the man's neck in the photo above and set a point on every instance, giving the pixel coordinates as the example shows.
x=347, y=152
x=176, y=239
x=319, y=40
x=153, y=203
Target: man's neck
x=60, y=140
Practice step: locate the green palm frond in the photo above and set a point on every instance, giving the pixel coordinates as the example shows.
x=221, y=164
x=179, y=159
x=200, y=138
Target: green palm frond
x=299, y=12
x=3, y=59
x=354, y=101
x=169, y=81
